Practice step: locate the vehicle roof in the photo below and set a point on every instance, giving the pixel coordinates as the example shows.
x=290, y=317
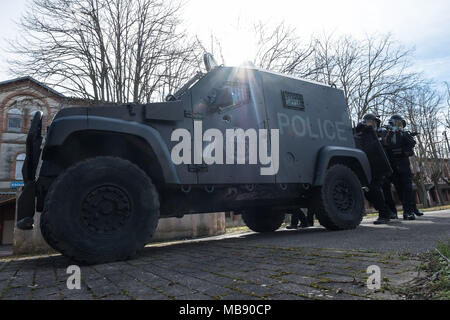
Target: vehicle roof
x=282, y=75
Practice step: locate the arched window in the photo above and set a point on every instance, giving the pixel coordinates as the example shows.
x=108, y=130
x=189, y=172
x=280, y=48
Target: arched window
x=19, y=164
x=14, y=120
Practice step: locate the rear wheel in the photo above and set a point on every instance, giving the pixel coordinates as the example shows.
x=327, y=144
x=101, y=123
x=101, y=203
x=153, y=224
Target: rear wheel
x=339, y=203
x=99, y=210
x=263, y=219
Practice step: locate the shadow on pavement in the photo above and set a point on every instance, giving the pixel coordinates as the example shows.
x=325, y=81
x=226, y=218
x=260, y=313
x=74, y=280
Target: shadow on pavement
x=421, y=234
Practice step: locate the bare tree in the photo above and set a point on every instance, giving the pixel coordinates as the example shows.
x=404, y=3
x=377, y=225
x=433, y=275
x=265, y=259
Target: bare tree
x=279, y=49
x=180, y=66
x=372, y=72
x=375, y=75
x=337, y=62
x=422, y=104
x=105, y=50
x=447, y=112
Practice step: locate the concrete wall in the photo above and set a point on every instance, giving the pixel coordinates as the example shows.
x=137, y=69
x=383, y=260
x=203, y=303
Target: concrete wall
x=190, y=226
x=233, y=221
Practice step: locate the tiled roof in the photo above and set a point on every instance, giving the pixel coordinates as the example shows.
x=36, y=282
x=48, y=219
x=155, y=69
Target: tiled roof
x=32, y=80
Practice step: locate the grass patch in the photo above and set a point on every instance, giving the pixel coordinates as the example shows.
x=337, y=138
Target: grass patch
x=444, y=249
x=437, y=208
x=237, y=230
x=435, y=285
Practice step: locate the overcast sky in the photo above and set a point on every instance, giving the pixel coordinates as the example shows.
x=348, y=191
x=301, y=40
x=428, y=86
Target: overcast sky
x=424, y=25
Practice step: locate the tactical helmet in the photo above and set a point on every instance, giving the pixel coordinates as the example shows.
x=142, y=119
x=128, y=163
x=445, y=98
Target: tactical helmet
x=372, y=117
x=396, y=119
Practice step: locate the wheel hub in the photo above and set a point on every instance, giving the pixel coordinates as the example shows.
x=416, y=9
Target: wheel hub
x=105, y=209
x=342, y=196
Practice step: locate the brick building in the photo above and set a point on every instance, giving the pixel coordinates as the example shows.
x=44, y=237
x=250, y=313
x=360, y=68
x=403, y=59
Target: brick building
x=433, y=197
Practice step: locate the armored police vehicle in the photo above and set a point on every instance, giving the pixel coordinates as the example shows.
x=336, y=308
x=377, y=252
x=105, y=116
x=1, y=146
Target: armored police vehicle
x=246, y=140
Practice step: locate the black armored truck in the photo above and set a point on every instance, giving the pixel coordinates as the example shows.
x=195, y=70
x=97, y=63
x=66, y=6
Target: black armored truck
x=239, y=139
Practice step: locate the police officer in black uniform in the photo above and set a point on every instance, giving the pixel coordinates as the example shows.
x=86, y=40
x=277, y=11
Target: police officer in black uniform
x=306, y=221
x=367, y=140
x=399, y=145
x=387, y=193
x=417, y=212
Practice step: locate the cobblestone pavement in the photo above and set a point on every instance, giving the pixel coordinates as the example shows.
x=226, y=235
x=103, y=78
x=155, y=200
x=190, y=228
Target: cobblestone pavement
x=234, y=267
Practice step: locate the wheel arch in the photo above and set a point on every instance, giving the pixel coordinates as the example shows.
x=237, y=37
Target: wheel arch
x=76, y=138
x=355, y=159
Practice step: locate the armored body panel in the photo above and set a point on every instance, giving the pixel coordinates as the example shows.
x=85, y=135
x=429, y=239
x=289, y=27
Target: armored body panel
x=310, y=116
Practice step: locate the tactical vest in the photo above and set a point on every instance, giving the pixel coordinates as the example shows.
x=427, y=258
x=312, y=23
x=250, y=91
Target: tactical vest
x=399, y=147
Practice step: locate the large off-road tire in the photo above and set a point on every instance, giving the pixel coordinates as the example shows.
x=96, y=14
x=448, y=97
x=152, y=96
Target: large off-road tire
x=263, y=219
x=339, y=203
x=100, y=210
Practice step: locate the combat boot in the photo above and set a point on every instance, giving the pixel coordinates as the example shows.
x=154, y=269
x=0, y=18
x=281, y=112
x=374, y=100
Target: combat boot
x=304, y=225
x=381, y=221
x=409, y=216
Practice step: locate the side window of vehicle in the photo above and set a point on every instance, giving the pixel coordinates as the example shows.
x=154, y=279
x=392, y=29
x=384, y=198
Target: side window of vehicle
x=293, y=100
x=231, y=95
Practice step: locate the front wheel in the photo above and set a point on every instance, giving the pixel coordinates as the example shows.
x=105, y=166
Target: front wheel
x=263, y=219
x=339, y=203
x=99, y=210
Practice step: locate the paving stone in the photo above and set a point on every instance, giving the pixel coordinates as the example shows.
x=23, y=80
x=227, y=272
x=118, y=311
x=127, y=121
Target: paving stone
x=117, y=297
x=177, y=291
x=21, y=280
x=299, y=279
x=18, y=292
x=6, y=275
x=154, y=296
x=225, y=270
x=217, y=292
x=194, y=296
x=137, y=290
x=285, y=296
x=240, y=296
x=298, y=289
x=44, y=279
x=79, y=296
x=49, y=293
